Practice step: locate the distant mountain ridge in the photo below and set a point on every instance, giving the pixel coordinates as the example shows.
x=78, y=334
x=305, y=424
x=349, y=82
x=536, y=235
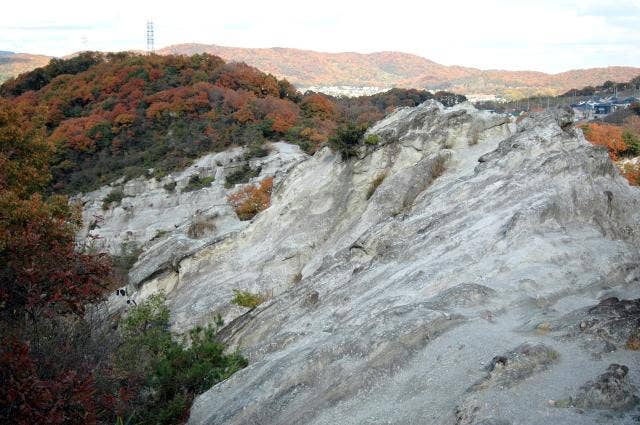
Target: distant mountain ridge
x=306, y=68
x=395, y=69
x=12, y=64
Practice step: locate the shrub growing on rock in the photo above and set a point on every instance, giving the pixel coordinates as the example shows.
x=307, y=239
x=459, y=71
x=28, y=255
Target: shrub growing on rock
x=347, y=138
x=449, y=99
x=256, y=150
x=247, y=299
x=196, y=183
x=159, y=234
x=170, y=187
x=241, y=175
x=631, y=172
x=439, y=167
x=252, y=199
x=372, y=139
x=126, y=258
x=115, y=196
x=474, y=134
x=169, y=374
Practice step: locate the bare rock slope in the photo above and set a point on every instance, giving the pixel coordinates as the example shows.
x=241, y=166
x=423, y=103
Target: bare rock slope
x=447, y=275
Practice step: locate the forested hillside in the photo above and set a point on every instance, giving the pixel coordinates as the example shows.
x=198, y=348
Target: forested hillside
x=396, y=69
x=109, y=115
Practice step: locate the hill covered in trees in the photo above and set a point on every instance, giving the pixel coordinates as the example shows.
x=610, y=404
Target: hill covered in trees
x=306, y=68
x=109, y=115
x=395, y=69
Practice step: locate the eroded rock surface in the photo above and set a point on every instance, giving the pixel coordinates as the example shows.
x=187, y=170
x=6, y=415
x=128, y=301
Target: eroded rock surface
x=610, y=391
x=169, y=222
x=516, y=365
x=610, y=325
x=388, y=308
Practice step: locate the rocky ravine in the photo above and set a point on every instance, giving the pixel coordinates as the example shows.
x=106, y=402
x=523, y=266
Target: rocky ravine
x=491, y=278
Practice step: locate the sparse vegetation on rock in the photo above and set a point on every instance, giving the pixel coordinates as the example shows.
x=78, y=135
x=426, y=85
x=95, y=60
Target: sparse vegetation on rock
x=375, y=183
x=170, y=187
x=247, y=299
x=122, y=263
x=249, y=201
x=196, y=182
x=347, y=139
x=241, y=175
x=167, y=373
x=114, y=197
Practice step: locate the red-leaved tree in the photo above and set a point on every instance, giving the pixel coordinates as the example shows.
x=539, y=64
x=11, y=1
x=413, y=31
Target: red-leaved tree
x=44, y=281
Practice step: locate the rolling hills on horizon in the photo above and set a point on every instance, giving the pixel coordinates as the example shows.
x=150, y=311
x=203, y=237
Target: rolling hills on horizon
x=396, y=69
x=308, y=68
x=13, y=64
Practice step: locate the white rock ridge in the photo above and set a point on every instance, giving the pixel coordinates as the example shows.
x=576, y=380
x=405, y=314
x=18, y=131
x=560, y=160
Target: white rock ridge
x=168, y=222
x=459, y=291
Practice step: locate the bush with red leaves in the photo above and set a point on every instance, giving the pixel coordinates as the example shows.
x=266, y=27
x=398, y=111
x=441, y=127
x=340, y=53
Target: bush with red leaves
x=27, y=399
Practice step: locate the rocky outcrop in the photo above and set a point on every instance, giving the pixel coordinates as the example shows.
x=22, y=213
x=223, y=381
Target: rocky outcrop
x=168, y=220
x=389, y=296
x=610, y=391
x=516, y=365
x=610, y=325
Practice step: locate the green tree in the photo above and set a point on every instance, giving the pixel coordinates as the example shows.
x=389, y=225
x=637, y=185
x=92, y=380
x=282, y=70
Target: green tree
x=347, y=138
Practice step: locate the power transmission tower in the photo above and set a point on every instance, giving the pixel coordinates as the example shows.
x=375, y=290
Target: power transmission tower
x=150, y=47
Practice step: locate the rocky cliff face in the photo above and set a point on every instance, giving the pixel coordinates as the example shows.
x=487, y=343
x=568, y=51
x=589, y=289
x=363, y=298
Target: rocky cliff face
x=465, y=270
x=165, y=219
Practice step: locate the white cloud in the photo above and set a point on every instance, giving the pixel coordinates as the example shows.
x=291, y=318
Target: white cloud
x=543, y=35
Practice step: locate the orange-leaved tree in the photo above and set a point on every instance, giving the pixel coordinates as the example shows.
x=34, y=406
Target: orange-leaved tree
x=249, y=201
x=607, y=135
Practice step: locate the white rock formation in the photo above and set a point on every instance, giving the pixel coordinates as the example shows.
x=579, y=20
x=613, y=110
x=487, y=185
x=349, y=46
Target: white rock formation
x=169, y=223
x=456, y=293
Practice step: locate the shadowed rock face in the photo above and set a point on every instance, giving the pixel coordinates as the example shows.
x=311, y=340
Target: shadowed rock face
x=612, y=321
x=406, y=296
x=611, y=390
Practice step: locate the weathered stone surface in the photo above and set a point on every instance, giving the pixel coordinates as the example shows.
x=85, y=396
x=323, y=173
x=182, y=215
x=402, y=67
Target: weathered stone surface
x=512, y=367
x=171, y=224
x=607, y=326
x=611, y=390
x=422, y=284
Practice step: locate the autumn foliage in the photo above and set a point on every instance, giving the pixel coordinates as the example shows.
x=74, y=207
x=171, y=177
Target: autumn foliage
x=114, y=114
x=27, y=398
x=109, y=115
x=62, y=360
x=621, y=142
x=250, y=200
x=43, y=278
x=607, y=135
x=40, y=269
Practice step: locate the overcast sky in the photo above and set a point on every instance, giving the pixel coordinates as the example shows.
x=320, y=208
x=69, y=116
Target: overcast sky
x=545, y=35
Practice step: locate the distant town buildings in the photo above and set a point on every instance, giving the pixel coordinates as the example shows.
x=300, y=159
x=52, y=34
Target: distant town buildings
x=347, y=91
x=600, y=107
